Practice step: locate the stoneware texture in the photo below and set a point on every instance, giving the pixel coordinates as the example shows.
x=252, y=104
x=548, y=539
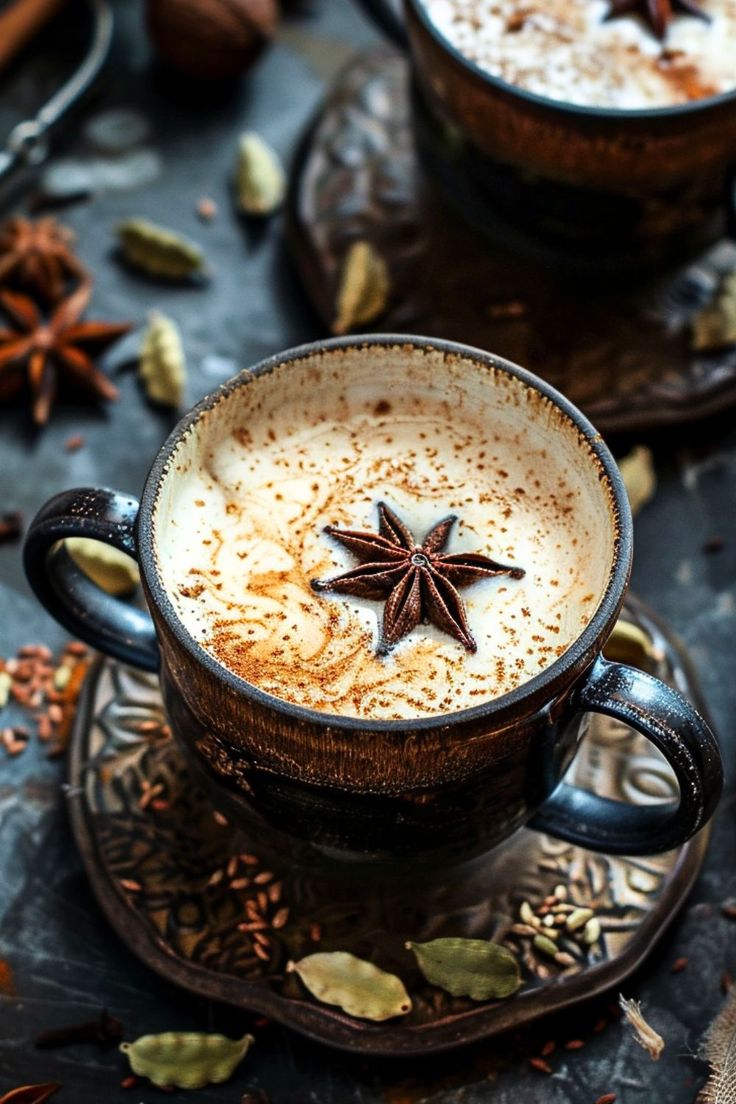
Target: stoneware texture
x=620, y=350
x=173, y=884
x=439, y=788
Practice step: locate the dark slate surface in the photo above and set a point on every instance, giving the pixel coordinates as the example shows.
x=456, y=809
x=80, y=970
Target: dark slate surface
x=66, y=961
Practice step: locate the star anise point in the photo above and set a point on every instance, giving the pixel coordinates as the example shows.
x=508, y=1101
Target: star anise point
x=417, y=582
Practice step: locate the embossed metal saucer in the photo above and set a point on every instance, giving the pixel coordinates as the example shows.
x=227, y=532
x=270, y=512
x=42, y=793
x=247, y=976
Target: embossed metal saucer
x=623, y=356
x=200, y=905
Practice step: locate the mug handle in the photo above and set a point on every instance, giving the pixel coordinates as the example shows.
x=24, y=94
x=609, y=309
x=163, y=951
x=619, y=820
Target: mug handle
x=106, y=623
x=387, y=17
x=671, y=723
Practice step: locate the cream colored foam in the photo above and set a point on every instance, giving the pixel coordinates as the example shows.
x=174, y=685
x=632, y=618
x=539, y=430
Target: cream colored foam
x=567, y=50
x=240, y=530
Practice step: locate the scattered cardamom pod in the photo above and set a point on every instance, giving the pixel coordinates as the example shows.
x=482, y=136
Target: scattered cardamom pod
x=358, y=987
x=30, y=1094
x=363, y=288
x=578, y=918
x=473, y=968
x=637, y=472
x=545, y=944
x=644, y=1033
x=260, y=179
x=630, y=644
x=714, y=327
x=186, y=1059
x=112, y=570
x=158, y=251
x=162, y=366
x=592, y=931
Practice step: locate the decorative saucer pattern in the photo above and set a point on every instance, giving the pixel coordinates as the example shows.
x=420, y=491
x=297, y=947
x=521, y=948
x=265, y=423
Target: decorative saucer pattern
x=192, y=898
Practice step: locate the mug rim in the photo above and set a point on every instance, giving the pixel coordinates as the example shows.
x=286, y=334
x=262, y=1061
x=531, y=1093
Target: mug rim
x=565, y=107
x=584, y=645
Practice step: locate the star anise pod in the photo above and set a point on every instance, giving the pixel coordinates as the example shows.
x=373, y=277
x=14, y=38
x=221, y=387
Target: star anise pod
x=657, y=13
x=417, y=581
x=38, y=256
x=40, y=351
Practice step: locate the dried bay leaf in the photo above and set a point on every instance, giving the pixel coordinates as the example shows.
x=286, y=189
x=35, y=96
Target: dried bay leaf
x=719, y=1050
x=30, y=1094
x=475, y=968
x=159, y=252
x=358, y=987
x=714, y=327
x=112, y=570
x=637, y=472
x=186, y=1059
x=363, y=288
x=162, y=366
x=260, y=179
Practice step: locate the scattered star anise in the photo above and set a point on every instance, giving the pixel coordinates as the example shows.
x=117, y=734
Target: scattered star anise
x=657, y=13
x=38, y=256
x=418, y=581
x=42, y=350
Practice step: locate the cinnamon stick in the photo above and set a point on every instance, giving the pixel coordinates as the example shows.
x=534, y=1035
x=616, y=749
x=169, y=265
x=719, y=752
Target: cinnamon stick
x=20, y=22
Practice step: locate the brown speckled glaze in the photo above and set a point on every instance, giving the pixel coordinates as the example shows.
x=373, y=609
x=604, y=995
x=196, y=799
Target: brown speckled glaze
x=436, y=788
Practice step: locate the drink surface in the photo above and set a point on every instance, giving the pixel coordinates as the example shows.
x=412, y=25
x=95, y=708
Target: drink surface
x=240, y=533
x=569, y=50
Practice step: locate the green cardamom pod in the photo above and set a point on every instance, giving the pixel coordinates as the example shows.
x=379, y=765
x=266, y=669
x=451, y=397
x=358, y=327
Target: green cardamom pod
x=473, y=968
x=186, y=1059
x=162, y=366
x=112, y=570
x=260, y=177
x=356, y=986
x=363, y=288
x=546, y=945
x=159, y=252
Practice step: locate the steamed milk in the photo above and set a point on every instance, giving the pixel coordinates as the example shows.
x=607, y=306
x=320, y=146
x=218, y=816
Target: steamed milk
x=568, y=50
x=240, y=534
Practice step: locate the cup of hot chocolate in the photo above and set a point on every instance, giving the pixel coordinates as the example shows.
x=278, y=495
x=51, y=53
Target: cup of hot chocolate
x=380, y=575
x=603, y=127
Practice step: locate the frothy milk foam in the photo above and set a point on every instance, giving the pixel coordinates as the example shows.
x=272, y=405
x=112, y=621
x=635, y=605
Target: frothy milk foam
x=240, y=528
x=569, y=50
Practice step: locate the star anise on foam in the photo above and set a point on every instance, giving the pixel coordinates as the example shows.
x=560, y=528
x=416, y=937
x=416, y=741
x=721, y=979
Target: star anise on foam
x=417, y=581
x=40, y=351
x=38, y=256
x=657, y=13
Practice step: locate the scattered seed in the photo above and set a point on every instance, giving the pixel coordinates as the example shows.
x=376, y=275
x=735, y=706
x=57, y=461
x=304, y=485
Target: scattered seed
x=548, y=1048
x=240, y=883
x=545, y=945
x=130, y=885
x=274, y=892
x=220, y=819
x=540, y=1065
x=262, y=898
x=129, y=1082
x=280, y=918
x=253, y=926
x=263, y=877
x=76, y=648
x=560, y=892
x=578, y=919
x=574, y=1044
x=232, y=866
x=74, y=443
x=607, y=1098
x=526, y=915
x=523, y=929
x=207, y=209
x=315, y=933
x=679, y=965
x=592, y=932
x=11, y=526
x=562, y=958
x=261, y=952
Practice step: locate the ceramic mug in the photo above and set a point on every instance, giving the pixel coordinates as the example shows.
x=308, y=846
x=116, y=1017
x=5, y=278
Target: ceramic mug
x=436, y=788
x=609, y=186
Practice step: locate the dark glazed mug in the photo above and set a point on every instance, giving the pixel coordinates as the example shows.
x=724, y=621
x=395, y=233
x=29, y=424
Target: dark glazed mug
x=605, y=187
x=438, y=788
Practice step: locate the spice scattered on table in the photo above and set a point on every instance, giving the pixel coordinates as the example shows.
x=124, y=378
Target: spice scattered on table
x=38, y=257
x=186, y=1059
x=74, y=443
x=162, y=367
x=46, y=691
x=355, y=985
x=158, y=251
x=679, y=965
x=260, y=176
x=206, y=209
x=475, y=968
x=559, y=930
x=41, y=352
x=11, y=526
